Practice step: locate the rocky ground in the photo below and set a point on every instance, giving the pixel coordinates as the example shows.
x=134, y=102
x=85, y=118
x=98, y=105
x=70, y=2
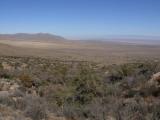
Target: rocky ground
x=51, y=89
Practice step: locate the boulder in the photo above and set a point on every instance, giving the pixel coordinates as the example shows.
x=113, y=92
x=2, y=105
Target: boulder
x=153, y=86
x=155, y=80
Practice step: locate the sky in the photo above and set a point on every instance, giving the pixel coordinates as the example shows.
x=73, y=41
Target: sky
x=81, y=18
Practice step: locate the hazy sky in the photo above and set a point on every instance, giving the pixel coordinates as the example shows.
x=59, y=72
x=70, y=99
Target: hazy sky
x=81, y=18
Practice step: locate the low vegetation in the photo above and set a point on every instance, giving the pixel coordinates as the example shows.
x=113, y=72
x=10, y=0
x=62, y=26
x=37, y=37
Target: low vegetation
x=46, y=89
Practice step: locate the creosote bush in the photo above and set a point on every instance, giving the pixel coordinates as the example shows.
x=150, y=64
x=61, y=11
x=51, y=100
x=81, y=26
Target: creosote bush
x=81, y=90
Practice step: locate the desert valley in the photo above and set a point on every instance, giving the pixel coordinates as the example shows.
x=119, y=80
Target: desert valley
x=47, y=77
x=52, y=46
x=79, y=59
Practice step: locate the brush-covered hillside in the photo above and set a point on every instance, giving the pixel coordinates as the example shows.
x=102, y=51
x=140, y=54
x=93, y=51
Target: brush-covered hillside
x=34, y=88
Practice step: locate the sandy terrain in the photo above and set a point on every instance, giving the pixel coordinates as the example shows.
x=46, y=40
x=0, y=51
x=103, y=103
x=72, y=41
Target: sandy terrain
x=108, y=52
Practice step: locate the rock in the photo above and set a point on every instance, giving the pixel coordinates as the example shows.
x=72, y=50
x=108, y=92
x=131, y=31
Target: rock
x=5, y=86
x=155, y=80
x=22, y=67
x=6, y=66
x=106, y=73
x=110, y=118
x=51, y=116
x=8, y=85
x=14, y=87
x=156, y=77
x=152, y=87
x=8, y=88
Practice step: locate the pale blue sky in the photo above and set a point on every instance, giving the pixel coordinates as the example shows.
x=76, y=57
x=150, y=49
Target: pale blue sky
x=81, y=18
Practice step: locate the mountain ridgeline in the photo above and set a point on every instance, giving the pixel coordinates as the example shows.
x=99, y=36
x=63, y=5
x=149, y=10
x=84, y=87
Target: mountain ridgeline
x=35, y=37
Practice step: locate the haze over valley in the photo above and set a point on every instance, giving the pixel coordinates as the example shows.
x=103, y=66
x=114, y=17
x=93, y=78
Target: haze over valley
x=48, y=45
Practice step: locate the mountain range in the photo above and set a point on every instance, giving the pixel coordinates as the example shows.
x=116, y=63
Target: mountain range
x=29, y=36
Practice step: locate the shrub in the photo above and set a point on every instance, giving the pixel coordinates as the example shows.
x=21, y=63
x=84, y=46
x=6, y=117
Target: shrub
x=5, y=74
x=26, y=80
x=36, y=108
x=155, y=113
x=85, y=86
x=6, y=100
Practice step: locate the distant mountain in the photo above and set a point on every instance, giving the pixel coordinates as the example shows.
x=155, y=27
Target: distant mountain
x=33, y=37
x=46, y=37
